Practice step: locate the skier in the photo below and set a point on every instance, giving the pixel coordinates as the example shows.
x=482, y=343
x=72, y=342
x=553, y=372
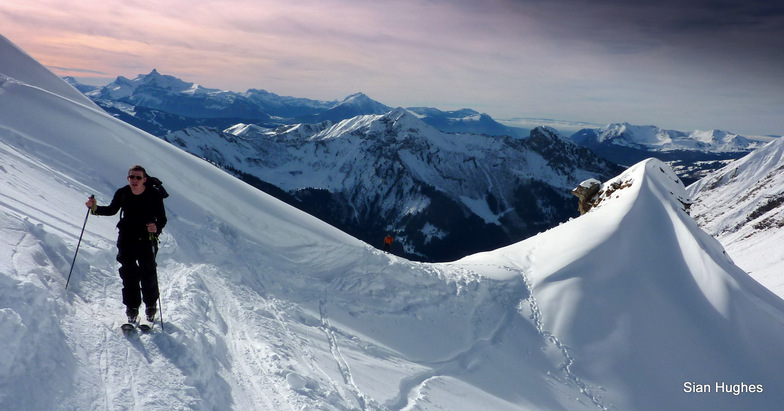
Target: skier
x=388, y=242
x=141, y=220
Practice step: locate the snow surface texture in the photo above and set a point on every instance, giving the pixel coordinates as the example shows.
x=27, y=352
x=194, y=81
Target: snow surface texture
x=742, y=204
x=267, y=308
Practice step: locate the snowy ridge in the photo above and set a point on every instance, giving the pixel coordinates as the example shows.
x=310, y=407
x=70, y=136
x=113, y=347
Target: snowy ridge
x=742, y=204
x=266, y=307
x=750, y=180
x=603, y=286
x=23, y=68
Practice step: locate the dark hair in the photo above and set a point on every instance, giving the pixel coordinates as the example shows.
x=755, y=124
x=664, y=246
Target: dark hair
x=139, y=168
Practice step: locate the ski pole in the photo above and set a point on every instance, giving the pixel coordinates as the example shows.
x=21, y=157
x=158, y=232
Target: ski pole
x=154, y=238
x=160, y=307
x=77, y=246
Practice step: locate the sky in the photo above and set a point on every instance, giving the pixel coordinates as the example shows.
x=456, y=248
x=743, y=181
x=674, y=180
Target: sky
x=685, y=65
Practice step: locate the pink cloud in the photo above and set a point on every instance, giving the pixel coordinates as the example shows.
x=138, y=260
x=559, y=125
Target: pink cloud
x=582, y=59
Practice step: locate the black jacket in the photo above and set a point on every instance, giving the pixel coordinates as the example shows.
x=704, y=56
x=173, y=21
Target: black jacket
x=137, y=211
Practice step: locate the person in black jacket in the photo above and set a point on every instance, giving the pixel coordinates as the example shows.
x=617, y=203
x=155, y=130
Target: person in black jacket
x=141, y=220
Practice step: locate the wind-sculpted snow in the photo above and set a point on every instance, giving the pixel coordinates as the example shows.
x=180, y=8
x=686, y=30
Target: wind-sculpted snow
x=634, y=288
x=267, y=308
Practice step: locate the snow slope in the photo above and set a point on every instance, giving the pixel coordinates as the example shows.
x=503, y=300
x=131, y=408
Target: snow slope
x=265, y=307
x=742, y=204
x=633, y=287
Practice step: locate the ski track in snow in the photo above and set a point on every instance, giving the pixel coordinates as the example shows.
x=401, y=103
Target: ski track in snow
x=411, y=387
x=530, y=304
x=568, y=358
x=277, y=345
x=538, y=321
x=342, y=364
x=258, y=370
x=134, y=371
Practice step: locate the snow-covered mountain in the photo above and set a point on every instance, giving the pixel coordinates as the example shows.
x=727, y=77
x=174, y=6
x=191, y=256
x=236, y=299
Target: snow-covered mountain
x=742, y=205
x=564, y=126
x=655, y=138
x=160, y=104
x=354, y=105
x=285, y=107
x=466, y=121
x=691, y=154
x=83, y=88
x=171, y=95
x=629, y=307
x=442, y=196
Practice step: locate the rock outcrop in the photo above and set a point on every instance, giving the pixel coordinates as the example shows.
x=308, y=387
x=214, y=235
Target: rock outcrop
x=585, y=192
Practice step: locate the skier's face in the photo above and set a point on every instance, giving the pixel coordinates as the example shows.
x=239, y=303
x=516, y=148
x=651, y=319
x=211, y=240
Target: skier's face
x=136, y=179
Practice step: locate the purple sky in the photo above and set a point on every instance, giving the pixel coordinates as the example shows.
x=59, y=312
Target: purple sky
x=689, y=64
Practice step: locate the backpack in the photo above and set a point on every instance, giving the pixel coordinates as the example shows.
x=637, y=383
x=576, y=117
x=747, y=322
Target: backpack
x=157, y=185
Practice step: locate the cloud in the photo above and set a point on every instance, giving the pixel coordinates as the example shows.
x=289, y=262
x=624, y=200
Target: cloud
x=594, y=60
x=642, y=25
x=77, y=70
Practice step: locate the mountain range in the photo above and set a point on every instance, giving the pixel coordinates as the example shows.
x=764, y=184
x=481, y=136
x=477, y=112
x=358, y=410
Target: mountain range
x=181, y=111
x=630, y=306
x=442, y=196
x=692, y=154
x=166, y=95
x=160, y=104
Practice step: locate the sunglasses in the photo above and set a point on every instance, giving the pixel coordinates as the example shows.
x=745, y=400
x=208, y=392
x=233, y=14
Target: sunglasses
x=135, y=177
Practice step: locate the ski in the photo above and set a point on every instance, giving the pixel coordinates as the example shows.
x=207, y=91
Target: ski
x=130, y=328
x=148, y=326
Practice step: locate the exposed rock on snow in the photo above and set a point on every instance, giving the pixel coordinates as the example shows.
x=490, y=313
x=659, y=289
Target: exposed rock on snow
x=585, y=192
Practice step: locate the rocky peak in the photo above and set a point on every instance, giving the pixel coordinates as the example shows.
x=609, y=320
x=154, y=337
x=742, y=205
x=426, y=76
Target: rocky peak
x=546, y=136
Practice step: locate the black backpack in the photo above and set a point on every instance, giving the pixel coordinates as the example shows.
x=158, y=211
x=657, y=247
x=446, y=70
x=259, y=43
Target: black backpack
x=157, y=185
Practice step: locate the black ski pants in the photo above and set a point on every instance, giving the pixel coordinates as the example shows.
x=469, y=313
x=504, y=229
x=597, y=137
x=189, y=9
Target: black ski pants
x=138, y=271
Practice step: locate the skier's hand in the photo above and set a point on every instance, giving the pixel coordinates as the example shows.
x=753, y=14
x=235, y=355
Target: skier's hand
x=91, y=203
x=152, y=228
